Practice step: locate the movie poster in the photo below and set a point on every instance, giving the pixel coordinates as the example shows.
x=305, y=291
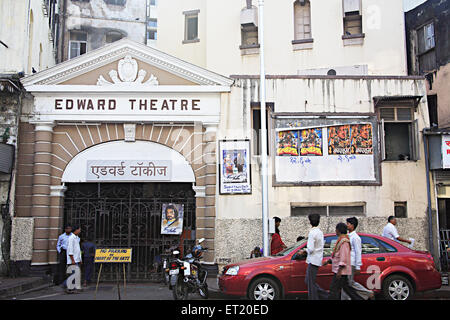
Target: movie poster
x=311, y=142
x=339, y=140
x=172, y=218
x=235, y=167
x=287, y=143
x=361, y=140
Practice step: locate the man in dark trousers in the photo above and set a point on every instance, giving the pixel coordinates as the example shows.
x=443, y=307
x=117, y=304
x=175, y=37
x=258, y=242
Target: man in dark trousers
x=61, y=247
x=88, y=248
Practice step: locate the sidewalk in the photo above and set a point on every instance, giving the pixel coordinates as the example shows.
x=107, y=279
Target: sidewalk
x=13, y=286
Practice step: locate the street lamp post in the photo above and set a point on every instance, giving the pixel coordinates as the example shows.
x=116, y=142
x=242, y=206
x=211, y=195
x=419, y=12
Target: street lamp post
x=263, y=133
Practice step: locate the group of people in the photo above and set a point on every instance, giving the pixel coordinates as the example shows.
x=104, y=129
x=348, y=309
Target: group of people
x=71, y=256
x=345, y=260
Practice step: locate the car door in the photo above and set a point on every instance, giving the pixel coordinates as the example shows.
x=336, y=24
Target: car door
x=374, y=259
x=325, y=275
x=297, y=280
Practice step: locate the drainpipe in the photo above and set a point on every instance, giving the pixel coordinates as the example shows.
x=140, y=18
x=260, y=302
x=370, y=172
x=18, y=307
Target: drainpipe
x=430, y=217
x=264, y=168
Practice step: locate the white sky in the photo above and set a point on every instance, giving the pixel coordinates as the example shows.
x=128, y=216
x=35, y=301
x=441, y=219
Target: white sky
x=411, y=4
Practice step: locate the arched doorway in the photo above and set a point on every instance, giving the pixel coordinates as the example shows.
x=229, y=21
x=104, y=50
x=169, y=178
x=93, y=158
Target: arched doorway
x=128, y=214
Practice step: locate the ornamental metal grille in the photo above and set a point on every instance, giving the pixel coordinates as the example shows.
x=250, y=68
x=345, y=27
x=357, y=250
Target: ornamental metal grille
x=128, y=215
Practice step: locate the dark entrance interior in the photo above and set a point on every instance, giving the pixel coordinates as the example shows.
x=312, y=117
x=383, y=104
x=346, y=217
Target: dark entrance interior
x=128, y=215
x=444, y=232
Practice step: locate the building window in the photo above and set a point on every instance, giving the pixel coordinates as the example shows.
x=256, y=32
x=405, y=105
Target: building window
x=256, y=126
x=425, y=48
x=400, y=140
x=116, y=2
x=152, y=29
x=352, y=209
x=400, y=210
x=77, y=43
x=191, y=26
x=433, y=110
x=302, y=20
x=249, y=36
x=353, y=31
x=113, y=36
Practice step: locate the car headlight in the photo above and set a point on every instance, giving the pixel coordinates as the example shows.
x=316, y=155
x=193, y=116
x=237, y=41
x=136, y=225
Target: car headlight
x=233, y=271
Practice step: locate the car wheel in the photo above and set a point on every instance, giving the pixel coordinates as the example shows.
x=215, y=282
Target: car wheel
x=397, y=287
x=264, y=289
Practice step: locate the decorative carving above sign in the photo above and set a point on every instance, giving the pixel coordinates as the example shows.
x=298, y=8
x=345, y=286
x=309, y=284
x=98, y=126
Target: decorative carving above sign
x=127, y=73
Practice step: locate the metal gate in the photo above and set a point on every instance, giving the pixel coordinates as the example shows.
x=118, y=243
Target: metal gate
x=444, y=246
x=128, y=215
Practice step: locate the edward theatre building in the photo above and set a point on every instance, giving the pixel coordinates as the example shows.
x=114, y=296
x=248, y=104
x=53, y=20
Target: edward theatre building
x=108, y=141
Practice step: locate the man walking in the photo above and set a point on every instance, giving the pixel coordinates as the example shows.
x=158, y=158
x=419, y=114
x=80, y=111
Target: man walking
x=314, y=250
x=74, y=261
x=390, y=231
x=61, y=247
x=356, y=261
x=88, y=248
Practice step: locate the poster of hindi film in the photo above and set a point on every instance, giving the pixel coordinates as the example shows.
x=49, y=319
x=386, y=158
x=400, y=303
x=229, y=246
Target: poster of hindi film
x=339, y=140
x=172, y=218
x=287, y=144
x=361, y=140
x=311, y=142
x=329, y=152
x=234, y=167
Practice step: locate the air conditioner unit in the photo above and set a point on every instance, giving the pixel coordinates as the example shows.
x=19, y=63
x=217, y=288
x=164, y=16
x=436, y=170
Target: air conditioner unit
x=351, y=6
x=249, y=17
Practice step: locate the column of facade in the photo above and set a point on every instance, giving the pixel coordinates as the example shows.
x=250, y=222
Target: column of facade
x=56, y=220
x=206, y=199
x=40, y=210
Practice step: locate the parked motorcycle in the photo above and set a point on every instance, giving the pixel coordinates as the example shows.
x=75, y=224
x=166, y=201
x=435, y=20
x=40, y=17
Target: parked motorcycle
x=187, y=275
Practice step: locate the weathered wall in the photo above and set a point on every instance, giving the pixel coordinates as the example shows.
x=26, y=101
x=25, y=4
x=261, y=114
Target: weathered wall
x=17, y=31
x=97, y=18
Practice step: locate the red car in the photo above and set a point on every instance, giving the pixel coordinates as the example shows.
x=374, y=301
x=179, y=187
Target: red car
x=388, y=268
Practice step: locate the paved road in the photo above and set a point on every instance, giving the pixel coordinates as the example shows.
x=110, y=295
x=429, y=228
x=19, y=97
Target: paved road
x=151, y=291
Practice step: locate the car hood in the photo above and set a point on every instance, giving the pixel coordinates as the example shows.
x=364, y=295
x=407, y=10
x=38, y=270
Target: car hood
x=254, y=261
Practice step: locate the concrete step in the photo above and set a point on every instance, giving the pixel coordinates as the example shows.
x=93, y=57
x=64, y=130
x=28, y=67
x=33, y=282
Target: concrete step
x=10, y=287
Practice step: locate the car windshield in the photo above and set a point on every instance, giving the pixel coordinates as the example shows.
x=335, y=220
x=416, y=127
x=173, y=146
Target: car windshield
x=288, y=250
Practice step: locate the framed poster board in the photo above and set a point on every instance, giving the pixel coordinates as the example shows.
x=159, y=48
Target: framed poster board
x=327, y=150
x=234, y=167
x=172, y=218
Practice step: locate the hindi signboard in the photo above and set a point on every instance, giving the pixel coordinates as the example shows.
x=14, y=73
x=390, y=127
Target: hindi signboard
x=446, y=151
x=108, y=255
x=129, y=170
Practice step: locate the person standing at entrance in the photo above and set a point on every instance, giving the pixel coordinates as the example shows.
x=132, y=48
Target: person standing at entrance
x=88, y=249
x=277, y=245
x=314, y=250
x=74, y=261
x=61, y=247
x=341, y=265
x=390, y=231
x=356, y=261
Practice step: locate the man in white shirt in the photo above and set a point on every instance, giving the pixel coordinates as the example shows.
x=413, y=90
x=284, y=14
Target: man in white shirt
x=314, y=250
x=74, y=261
x=356, y=261
x=390, y=231
x=61, y=247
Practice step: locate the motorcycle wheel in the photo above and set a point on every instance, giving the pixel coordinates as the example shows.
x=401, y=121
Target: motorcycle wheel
x=180, y=290
x=203, y=291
